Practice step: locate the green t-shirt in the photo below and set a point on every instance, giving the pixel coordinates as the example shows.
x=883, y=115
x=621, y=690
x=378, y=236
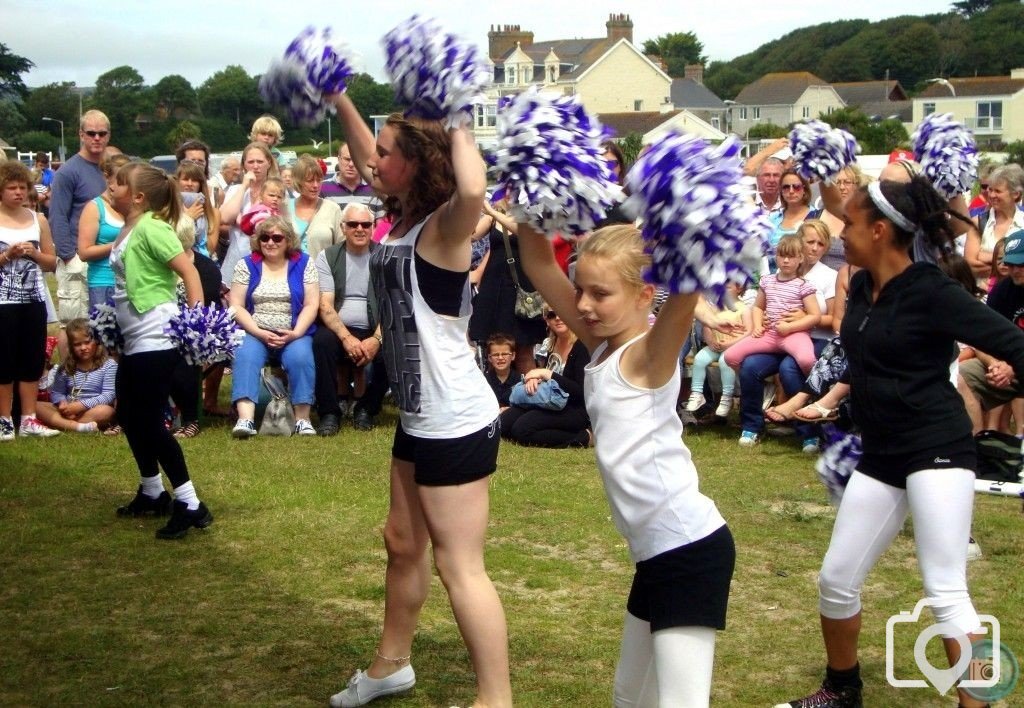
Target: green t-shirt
x=148, y=280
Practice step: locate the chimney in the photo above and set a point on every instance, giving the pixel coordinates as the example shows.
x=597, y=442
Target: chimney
x=619, y=27
x=503, y=39
x=695, y=72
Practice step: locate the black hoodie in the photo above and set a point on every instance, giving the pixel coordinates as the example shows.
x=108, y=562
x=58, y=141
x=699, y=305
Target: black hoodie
x=900, y=348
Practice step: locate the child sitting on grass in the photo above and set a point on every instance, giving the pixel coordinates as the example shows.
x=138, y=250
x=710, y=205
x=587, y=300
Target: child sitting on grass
x=82, y=395
x=501, y=352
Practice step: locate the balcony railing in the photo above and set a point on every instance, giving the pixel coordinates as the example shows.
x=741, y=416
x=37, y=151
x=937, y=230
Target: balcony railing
x=985, y=124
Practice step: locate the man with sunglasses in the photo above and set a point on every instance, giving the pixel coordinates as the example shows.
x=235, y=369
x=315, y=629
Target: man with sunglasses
x=75, y=184
x=350, y=335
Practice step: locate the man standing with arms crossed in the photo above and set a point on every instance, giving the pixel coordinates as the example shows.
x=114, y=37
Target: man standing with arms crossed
x=78, y=181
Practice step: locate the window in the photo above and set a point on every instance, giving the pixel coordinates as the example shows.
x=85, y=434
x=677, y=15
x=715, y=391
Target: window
x=990, y=115
x=743, y=113
x=551, y=74
x=757, y=113
x=716, y=122
x=929, y=108
x=638, y=105
x=510, y=74
x=806, y=112
x=486, y=115
x=829, y=110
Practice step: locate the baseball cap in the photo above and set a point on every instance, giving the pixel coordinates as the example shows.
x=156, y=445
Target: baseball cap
x=1014, y=253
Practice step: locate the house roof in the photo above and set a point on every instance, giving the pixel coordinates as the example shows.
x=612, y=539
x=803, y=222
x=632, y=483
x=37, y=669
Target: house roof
x=903, y=110
x=856, y=93
x=687, y=93
x=780, y=88
x=635, y=122
x=975, y=86
x=580, y=53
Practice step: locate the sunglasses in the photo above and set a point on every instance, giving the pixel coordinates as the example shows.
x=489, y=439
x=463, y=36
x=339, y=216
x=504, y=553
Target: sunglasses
x=844, y=182
x=97, y=133
x=550, y=315
x=359, y=224
x=792, y=188
x=276, y=238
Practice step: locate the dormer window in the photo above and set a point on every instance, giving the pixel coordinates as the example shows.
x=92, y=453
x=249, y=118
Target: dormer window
x=511, y=72
x=552, y=74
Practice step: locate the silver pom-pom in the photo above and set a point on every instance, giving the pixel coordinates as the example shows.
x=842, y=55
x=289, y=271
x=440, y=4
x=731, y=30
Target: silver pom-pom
x=947, y=153
x=436, y=74
x=550, y=164
x=821, y=151
x=700, y=224
x=205, y=335
x=104, y=326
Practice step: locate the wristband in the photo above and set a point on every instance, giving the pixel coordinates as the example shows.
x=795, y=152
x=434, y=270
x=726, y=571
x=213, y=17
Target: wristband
x=379, y=338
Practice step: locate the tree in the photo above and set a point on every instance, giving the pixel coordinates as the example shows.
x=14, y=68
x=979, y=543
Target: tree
x=726, y=80
x=12, y=67
x=185, y=130
x=233, y=95
x=120, y=94
x=677, y=49
x=631, y=146
x=173, y=94
x=847, y=62
x=874, y=137
x=1015, y=153
x=766, y=131
x=56, y=100
x=371, y=97
x=970, y=8
x=11, y=118
x=38, y=141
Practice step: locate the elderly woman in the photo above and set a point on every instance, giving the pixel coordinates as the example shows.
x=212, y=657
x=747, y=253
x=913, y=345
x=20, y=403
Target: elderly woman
x=258, y=164
x=275, y=296
x=26, y=250
x=317, y=221
x=1005, y=186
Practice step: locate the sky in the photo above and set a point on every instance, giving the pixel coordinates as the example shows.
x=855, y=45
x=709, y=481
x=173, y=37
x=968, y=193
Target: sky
x=78, y=40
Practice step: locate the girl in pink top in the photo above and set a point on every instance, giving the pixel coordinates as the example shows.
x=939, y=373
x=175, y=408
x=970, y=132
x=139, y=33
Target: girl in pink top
x=785, y=312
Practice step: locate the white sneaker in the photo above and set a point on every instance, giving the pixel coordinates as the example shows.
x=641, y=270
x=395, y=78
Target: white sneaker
x=696, y=401
x=6, y=429
x=362, y=689
x=304, y=427
x=724, y=407
x=243, y=429
x=973, y=550
x=31, y=427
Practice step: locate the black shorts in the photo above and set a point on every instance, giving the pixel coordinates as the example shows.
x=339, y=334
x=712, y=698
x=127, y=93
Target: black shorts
x=687, y=586
x=446, y=462
x=23, y=349
x=894, y=469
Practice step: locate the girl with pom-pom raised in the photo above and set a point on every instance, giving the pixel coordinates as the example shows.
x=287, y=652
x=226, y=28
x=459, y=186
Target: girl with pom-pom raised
x=683, y=550
x=147, y=259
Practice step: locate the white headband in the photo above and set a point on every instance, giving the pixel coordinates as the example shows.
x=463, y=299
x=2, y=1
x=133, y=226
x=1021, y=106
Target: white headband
x=875, y=192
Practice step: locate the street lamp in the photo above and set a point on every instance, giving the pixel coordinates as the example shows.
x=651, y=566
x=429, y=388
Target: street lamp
x=54, y=120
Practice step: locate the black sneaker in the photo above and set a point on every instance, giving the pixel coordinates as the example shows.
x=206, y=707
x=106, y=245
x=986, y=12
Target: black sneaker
x=143, y=505
x=828, y=697
x=363, y=420
x=182, y=520
x=330, y=424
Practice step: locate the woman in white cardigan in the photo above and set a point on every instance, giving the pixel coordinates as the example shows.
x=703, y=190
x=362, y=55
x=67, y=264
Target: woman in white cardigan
x=317, y=221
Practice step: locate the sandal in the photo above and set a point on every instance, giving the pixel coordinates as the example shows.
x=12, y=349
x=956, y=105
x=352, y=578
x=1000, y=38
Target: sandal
x=822, y=414
x=774, y=415
x=189, y=430
x=113, y=430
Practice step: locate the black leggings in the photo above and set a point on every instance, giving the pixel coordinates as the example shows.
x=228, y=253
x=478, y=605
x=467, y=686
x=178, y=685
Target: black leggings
x=185, y=383
x=143, y=384
x=542, y=428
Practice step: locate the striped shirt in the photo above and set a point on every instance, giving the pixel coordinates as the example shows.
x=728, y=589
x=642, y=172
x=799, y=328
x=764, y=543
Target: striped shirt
x=91, y=388
x=783, y=296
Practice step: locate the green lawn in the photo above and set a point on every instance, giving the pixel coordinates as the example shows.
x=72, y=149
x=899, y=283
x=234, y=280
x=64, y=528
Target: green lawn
x=281, y=599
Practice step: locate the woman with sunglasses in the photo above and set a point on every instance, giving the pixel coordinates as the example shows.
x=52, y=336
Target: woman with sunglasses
x=561, y=358
x=275, y=295
x=317, y=221
x=796, y=200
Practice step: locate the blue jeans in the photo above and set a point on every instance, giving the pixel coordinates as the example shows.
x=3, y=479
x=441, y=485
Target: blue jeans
x=754, y=370
x=296, y=357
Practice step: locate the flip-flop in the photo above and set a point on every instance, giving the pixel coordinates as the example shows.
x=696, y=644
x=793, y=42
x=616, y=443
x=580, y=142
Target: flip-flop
x=824, y=414
x=775, y=416
x=113, y=430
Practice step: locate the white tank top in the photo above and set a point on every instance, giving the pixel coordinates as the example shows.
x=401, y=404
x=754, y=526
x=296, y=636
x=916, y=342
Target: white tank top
x=438, y=388
x=648, y=474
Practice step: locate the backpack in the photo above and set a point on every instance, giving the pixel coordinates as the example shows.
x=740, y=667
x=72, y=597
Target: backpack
x=999, y=456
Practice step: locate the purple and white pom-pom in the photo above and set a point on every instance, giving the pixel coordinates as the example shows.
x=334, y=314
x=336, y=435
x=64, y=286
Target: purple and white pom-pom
x=205, y=334
x=821, y=151
x=838, y=460
x=313, y=65
x=104, y=326
x=550, y=164
x=947, y=153
x=700, y=224
x=436, y=74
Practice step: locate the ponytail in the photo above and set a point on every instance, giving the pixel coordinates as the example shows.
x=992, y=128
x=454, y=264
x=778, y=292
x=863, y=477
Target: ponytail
x=160, y=191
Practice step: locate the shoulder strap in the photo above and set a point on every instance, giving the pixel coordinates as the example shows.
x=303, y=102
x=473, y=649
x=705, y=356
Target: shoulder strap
x=509, y=258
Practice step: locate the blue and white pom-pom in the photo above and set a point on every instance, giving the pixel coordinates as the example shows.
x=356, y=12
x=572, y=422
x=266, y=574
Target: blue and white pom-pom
x=314, y=65
x=550, y=164
x=947, y=153
x=700, y=224
x=205, y=334
x=106, y=331
x=838, y=460
x=436, y=74
x=821, y=151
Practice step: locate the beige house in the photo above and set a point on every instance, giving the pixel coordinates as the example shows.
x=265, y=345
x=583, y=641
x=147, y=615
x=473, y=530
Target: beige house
x=783, y=98
x=991, y=106
x=653, y=125
x=609, y=74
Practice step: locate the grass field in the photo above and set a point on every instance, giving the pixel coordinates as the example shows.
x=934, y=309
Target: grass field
x=281, y=599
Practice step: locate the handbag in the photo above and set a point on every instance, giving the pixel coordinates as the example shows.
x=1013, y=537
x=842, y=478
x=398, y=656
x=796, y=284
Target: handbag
x=529, y=303
x=279, y=418
x=549, y=396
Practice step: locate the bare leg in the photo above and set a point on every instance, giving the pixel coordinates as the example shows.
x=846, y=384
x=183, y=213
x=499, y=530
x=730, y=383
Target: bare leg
x=829, y=401
x=952, y=647
x=785, y=411
x=841, y=637
x=971, y=404
x=246, y=409
x=994, y=418
x=301, y=411
x=101, y=415
x=1017, y=406
x=407, y=580
x=457, y=519
x=48, y=414
x=27, y=391
x=6, y=399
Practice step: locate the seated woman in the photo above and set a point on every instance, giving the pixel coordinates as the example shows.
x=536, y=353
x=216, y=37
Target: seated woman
x=561, y=357
x=275, y=295
x=82, y=394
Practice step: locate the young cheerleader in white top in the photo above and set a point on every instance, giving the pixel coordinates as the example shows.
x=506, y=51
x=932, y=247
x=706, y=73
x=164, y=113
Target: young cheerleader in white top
x=682, y=548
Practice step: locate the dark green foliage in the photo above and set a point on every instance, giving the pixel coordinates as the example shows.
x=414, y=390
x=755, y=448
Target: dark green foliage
x=874, y=137
x=677, y=49
x=630, y=146
x=767, y=130
x=1015, y=152
x=12, y=67
x=38, y=140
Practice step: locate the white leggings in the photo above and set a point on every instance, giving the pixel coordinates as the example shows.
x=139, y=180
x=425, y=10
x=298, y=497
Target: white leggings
x=872, y=513
x=670, y=667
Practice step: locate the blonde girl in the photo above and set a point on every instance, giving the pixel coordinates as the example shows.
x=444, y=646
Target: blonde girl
x=82, y=395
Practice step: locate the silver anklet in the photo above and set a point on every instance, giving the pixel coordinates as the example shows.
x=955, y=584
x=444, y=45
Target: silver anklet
x=399, y=660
